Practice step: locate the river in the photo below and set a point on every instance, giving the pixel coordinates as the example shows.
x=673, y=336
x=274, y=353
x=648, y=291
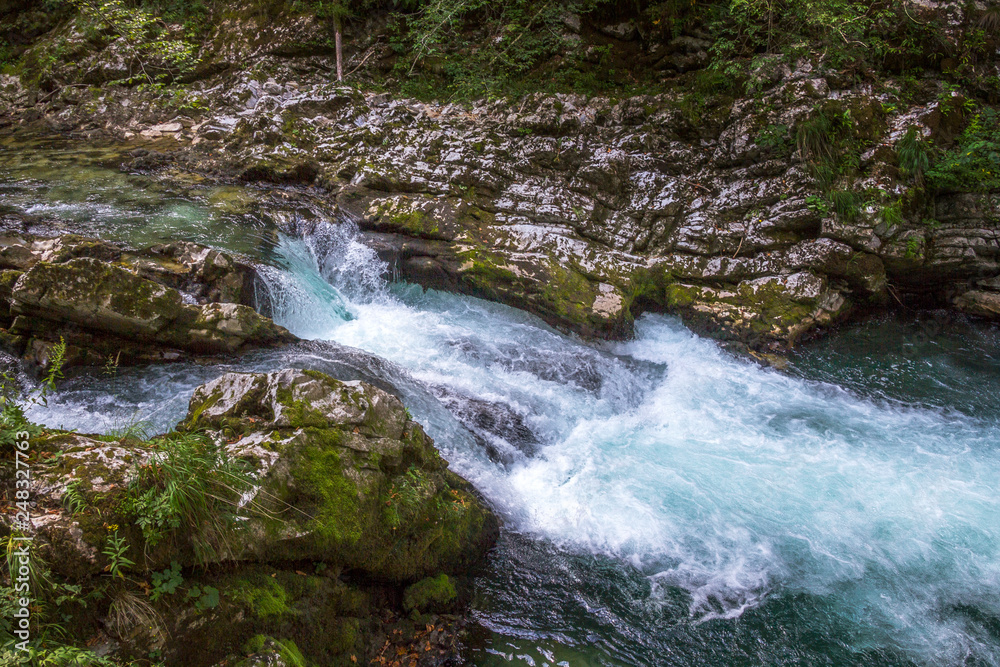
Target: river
x=665, y=502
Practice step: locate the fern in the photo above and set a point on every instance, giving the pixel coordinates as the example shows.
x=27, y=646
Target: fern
x=914, y=155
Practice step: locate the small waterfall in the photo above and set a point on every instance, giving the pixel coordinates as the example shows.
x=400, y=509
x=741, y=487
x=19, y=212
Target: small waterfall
x=346, y=263
x=315, y=279
x=661, y=497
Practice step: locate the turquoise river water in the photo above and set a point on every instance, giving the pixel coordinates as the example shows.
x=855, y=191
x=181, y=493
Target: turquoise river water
x=666, y=503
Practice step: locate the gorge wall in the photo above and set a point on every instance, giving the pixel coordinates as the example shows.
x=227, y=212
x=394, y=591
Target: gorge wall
x=761, y=214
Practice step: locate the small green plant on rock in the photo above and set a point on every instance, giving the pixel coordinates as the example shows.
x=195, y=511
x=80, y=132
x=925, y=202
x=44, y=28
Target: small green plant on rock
x=973, y=164
x=166, y=582
x=204, y=597
x=914, y=156
x=892, y=214
x=13, y=404
x=73, y=498
x=115, y=550
x=817, y=204
x=847, y=204
x=189, y=483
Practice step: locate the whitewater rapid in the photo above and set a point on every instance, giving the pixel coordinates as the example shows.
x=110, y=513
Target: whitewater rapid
x=702, y=471
x=711, y=478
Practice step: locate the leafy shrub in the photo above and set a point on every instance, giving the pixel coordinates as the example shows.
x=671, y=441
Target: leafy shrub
x=973, y=165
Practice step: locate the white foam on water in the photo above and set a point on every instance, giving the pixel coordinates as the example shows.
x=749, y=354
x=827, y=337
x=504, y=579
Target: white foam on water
x=706, y=473
x=727, y=480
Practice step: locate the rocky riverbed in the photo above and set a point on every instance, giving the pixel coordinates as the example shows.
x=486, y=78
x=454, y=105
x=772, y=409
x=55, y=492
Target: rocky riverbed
x=662, y=497
x=590, y=211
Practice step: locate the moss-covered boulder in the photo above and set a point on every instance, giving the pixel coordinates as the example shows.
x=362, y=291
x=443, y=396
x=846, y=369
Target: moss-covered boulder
x=206, y=274
x=346, y=476
x=431, y=594
x=108, y=308
x=96, y=295
x=343, y=537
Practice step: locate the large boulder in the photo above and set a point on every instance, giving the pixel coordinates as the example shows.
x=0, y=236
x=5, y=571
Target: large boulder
x=203, y=274
x=129, y=312
x=206, y=274
x=346, y=476
x=353, y=539
x=96, y=295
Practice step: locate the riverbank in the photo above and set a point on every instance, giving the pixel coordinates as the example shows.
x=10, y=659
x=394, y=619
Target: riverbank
x=763, y=214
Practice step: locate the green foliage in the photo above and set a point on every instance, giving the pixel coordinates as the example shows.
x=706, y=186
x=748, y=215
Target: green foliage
x=487, y=48
x=166, y=582
x=847, y=33
x=973, y=164
x=115, y=549
x=817, y=204
x=131, y=428
x=816, y=136
x=892, y=214
x=191, y=483
x=53, y=654
x=830, y=141
x=914, y=155
x=73, y=499
x=847, y=204
x=159, y=54
x=775, y=138
x=13, y=404
x=204, y=597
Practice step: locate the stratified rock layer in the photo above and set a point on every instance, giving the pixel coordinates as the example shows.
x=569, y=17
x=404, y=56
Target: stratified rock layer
x=108, y=302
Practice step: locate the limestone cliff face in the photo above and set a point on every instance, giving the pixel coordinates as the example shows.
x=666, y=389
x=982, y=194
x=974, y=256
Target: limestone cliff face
x=586, y=210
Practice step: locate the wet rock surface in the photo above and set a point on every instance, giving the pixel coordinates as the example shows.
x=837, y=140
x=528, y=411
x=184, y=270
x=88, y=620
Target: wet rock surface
x=354, y=543
x=582, y=209
x=159, y=304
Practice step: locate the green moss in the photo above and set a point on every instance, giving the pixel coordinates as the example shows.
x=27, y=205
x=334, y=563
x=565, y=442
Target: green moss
x=402, y=215
x=681, y=296
x=489, y=276
x=337, y=512
x=308, y=620
x=195, y=413
x=433, y=594
x=261, y=596
x=344, y=636
x=286, y=648
x=8, y=278
x=298, y=412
